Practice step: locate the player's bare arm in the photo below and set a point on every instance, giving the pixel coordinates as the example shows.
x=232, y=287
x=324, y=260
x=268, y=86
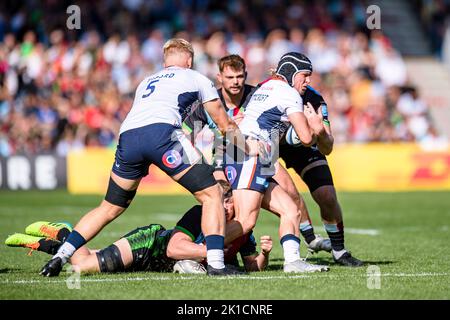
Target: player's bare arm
x=181, y=247
x=301, y=127
x=321, y=130
x=260, y=261
x=228, y=127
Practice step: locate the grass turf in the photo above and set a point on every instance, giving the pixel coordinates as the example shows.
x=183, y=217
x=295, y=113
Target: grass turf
x=405, y=234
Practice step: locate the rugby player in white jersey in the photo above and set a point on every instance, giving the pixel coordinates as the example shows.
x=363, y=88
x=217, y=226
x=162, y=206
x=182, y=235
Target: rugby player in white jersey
x=310, y=163
x=272, y=108
x=151, y=134
x=234, y=93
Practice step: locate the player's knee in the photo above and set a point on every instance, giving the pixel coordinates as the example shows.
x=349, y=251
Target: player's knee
x=293, y=213
x=248, y=223
x=289, y=209
x=111, y=211
x=83, y=266
x=110, y=259
x=248, y=226
x=210, y=194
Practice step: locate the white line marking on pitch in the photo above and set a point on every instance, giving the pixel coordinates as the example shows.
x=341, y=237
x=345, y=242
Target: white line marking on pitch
x=366, y=232
x=162, y=278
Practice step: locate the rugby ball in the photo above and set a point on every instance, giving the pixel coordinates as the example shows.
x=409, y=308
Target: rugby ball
x=189, y=266
x=292, y=138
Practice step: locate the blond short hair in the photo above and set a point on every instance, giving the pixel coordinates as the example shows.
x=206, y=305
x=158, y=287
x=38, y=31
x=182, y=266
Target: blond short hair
x=177, y=45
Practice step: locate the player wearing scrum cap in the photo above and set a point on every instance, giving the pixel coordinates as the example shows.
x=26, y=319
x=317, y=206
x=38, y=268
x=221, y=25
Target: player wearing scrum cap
x=310, y=163
x=274, y=105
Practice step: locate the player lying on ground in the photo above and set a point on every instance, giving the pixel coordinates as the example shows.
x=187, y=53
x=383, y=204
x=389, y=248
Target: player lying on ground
x=149, y=248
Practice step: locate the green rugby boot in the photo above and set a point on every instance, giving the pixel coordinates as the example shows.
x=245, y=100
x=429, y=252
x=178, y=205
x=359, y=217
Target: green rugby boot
x=51, y=230
x=23, y=240
x=32, y=242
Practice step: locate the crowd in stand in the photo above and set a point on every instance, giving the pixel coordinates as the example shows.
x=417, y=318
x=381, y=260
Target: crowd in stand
x=435, y=17
x=63, y=89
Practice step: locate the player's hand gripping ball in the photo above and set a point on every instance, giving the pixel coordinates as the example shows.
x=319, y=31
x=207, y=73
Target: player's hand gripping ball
x=292, y=138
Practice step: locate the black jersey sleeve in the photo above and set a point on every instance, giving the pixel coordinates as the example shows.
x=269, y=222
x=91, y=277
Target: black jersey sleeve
x=248, y=92
x=315, y=98
x=191, y=222
x=197, y=117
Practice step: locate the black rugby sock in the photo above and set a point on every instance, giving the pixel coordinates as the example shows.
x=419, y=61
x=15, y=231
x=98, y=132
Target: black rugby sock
x=307, y=231
x=308, y=235
x=336, y=234
x=49, y=246
x=63, y=234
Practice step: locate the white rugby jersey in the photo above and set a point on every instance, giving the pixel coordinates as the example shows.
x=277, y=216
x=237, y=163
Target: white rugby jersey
x=268, y=109
x=167, y=96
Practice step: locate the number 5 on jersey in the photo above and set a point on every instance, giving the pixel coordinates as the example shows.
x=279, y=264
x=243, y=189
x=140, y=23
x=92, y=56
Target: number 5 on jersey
x=150, y=87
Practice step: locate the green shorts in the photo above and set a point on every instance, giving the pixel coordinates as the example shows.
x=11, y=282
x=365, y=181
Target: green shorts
x=148, y=246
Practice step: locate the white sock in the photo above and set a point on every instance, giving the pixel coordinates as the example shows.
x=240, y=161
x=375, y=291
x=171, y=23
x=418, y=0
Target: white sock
x=291, y=250
x=215, y=258
x=338, y=254
x=65, y=252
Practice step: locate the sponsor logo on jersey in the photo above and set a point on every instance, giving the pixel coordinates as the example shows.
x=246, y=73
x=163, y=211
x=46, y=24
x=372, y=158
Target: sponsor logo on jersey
x=171, y=159
x=231, y=174
x=259, y=97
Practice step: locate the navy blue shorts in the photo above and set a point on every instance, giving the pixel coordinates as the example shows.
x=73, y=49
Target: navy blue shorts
x=250, y=174
x=161, y=144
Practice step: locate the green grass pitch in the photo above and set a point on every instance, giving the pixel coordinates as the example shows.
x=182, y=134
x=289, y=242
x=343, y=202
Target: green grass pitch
x=406, y=235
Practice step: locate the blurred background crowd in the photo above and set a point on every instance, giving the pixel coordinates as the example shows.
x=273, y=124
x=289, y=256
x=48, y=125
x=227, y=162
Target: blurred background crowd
x=66, y=89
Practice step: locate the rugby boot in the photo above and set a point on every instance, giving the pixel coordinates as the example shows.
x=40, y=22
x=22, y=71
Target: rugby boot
x=319, y=244
x=50, y=230
x=23, y=240
x=189, y=266
x=223, y=272
x=300, y=266
x=34, y=243
x=347, y=260
x=52, y=268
